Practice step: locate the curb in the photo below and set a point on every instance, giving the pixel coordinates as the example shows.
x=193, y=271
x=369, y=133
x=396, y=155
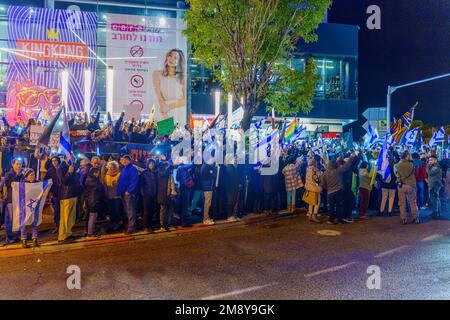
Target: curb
x=16, y=250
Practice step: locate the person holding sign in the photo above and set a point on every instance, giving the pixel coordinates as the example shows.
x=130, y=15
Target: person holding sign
x=170, y=87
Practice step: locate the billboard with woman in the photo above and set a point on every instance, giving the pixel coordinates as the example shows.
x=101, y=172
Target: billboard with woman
x=148, y=58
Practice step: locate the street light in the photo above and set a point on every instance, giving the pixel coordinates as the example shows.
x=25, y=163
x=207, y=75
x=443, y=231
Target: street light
x=392, y=89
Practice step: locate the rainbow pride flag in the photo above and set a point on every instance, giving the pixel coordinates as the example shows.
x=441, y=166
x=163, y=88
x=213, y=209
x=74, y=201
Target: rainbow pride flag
x=291, y=130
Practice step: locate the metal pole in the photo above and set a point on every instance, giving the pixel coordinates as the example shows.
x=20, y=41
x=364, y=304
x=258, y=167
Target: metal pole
x=388, y=110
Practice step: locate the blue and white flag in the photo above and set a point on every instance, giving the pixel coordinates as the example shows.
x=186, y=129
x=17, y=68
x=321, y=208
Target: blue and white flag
x=28, y=200
x=65, y=147
x=371, y=137
x=264, y=145
x=437, y=137
x=390, y=140
x=299, y=134
x=384, y=168
x=411, y=136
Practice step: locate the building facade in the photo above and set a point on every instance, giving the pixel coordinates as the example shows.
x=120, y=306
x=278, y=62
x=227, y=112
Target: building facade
x=336, y=55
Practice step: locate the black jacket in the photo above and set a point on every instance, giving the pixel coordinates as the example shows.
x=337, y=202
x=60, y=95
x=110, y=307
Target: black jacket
x=70, y=182
x=148, y=186
x=11, y=177
x=94, y=193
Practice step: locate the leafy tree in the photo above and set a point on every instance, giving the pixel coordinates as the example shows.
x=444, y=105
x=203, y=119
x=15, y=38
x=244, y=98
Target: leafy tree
x=249, y=46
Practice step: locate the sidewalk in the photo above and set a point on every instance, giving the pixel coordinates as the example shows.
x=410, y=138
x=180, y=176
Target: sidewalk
x=48, y=243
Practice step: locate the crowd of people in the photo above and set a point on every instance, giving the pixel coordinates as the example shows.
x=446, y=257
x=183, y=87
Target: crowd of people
x=158, y=193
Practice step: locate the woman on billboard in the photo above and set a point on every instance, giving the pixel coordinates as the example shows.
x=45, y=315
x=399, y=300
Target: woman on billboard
x=170, y=87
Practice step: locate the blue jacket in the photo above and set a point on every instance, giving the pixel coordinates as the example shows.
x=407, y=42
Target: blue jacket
x=128, y=181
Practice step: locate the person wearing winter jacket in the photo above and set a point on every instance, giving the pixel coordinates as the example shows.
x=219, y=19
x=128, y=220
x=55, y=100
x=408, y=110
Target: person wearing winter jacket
x=14, y=175
x=312, y=186
x=207, y=177
x=94, y=198
x=68, y=194
x=291, y=178
x=128, y=189
x=166, y=194
x=110, y=178
x=184, y=178
x=388, y=191
x=29, y=176
x=148, y=188
x=365, y=178
x=434, y=184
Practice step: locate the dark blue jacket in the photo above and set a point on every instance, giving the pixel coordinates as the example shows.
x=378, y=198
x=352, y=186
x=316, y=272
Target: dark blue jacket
x=208, y=177
x=128, y=181
x=184, y=174
x=148, y=183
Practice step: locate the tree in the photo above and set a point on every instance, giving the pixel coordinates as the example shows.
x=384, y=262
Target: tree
x=249, y=46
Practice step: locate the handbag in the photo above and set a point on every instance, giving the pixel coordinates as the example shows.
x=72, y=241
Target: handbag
x=310, y=198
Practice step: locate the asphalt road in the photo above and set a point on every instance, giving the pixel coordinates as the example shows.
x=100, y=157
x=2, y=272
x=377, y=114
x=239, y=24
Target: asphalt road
x=277, y=259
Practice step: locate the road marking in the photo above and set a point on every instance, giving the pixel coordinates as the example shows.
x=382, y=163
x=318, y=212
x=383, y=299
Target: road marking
x=333, y=269
x=385, y=253
x=432, y=237
x=237, y=292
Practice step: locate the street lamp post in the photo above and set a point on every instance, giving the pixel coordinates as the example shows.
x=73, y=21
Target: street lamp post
x=392, y=89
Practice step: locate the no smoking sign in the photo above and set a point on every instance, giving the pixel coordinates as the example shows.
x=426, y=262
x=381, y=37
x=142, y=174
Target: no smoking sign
x=137, y=51
x=137, y=81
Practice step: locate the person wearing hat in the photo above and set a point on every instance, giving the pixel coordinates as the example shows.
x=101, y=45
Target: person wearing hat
x=434, y=181
x=406, y=186
x=128, y=189
x=29, y=176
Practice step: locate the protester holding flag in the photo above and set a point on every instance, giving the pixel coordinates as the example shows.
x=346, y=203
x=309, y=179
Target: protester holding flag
x=29, y=176
x=14, y=175
x=388, y=190
x=406, y=187
x=68, y=194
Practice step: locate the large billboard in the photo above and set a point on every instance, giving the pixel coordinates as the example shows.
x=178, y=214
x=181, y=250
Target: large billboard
x=148, y=58
x=50, y=51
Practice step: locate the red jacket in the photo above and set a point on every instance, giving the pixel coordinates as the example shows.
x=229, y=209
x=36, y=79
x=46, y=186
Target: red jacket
x=421, y=172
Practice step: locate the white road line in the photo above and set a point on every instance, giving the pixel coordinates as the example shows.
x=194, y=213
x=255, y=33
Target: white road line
x=333, y=269
x=237, y=292
x=432, y=237
x=386, y=253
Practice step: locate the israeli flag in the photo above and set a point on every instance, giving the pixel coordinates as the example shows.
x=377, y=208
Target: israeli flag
x=65, y=147
x=411, y=136
x=437, y=137
x=299, y=134
x=384, y=167
x=264, y=146
x=28, y=200
x=371, y=136
x=390, y=140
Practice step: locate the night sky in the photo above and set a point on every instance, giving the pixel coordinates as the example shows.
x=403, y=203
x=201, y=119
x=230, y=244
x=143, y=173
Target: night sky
x=414, y=43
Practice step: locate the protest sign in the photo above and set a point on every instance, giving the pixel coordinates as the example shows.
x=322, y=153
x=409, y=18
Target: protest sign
x=166, y=127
